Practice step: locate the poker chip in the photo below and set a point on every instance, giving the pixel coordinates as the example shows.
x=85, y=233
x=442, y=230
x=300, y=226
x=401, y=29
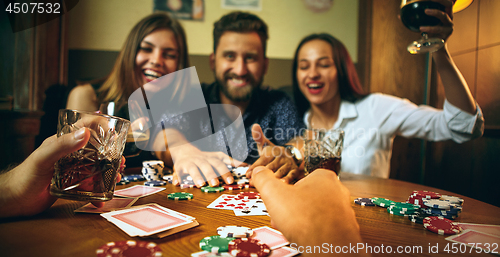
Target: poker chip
x=180, y=196
x=242, y=181
x=123, y=182
x=240, y=171
x=364, y=201
x=209, y=189
x=382, y=202
x=426, y=194
x=435, y=212
x=232, y=187
x=416, y=200
x=398, y=213
x=184, y=186
x=134, y=177
x=403, y=208
x=215, y=244
x=245, y=247
x=234, y=231
x=155, y=183
x=452, y=199
x=439, y=204
x=418, y=217
x=441, y=225
x=248, y=195
x=128, y=249
x=168, y=178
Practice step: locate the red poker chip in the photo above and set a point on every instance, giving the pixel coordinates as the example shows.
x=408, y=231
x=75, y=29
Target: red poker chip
x=129, y=248
x=245, y=247
x=233, y=187
x=248, y=195
x=426, y=194
x=416, y=200
x=440, y=225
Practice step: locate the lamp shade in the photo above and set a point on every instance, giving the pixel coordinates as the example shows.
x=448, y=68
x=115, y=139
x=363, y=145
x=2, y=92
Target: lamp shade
x=460, y=5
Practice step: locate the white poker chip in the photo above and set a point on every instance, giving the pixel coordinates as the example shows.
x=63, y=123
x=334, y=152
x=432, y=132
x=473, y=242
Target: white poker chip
x=452, y=199
x=439, y=204
x=240, y=171
x=242, y=181
x=234, y=231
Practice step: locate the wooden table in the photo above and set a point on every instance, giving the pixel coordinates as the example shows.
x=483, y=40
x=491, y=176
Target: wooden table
x=61, y=232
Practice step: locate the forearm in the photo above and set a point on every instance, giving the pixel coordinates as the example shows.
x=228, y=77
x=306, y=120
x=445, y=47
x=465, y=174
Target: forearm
x=170, y=139
x=455, y=86
x=8, y=207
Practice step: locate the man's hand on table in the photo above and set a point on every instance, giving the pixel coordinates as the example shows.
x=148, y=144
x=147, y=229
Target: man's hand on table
x=275, y=158
x=24, y=190
x=201, y=166
x=319, y=203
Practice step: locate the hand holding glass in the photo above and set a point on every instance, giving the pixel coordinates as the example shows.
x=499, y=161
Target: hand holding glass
x=89, y=174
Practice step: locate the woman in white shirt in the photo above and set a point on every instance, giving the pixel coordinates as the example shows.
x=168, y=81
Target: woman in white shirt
x=327, y=91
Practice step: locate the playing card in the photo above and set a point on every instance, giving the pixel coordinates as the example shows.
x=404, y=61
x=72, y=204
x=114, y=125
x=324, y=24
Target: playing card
x=258, y=208
x=145, y=221
x=167, y=210
x=229, y=202
x=283, y=252
x=485, y=228
x=138, y=191
x=481, y=241
x=272, y=237
x=114, y=204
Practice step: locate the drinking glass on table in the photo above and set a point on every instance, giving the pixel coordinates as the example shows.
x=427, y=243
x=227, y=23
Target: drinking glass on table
x=413, y=16
x=89, y=174
x=323, y=149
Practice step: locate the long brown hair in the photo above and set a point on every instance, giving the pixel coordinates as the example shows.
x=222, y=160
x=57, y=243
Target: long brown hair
x=350, y=88
x=123, y=80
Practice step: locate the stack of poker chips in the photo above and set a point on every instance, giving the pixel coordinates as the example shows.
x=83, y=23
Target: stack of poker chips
x=435, y=204
x=152, y=170
x=233, y=241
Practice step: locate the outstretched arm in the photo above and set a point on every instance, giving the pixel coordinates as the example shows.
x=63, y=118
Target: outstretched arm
x=456, y=88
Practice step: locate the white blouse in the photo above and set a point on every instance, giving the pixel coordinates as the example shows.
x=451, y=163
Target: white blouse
x=370, y=125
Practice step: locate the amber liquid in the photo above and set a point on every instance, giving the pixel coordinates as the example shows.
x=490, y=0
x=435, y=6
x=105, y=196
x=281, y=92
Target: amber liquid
x=315, y=162
x=135, y=142
x=82, y=176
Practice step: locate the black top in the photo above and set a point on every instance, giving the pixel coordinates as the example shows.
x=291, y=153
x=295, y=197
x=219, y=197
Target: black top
x=210, y=129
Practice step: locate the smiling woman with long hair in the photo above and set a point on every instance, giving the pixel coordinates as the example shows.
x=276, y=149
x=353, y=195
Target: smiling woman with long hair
x=155, y=46
x=329, y=96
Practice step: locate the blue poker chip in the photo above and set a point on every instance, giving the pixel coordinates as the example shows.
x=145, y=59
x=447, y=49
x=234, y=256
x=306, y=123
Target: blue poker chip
x=364, y=201
x=134, y=177
x=123, y=182
x=155, y=183
x=435, y=211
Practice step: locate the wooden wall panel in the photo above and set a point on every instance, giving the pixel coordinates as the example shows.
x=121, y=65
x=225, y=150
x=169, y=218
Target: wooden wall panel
x=465, y=30
x=489, y=20
x=488, y=84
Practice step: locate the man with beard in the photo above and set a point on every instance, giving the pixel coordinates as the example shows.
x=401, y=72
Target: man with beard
x=203, y=145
